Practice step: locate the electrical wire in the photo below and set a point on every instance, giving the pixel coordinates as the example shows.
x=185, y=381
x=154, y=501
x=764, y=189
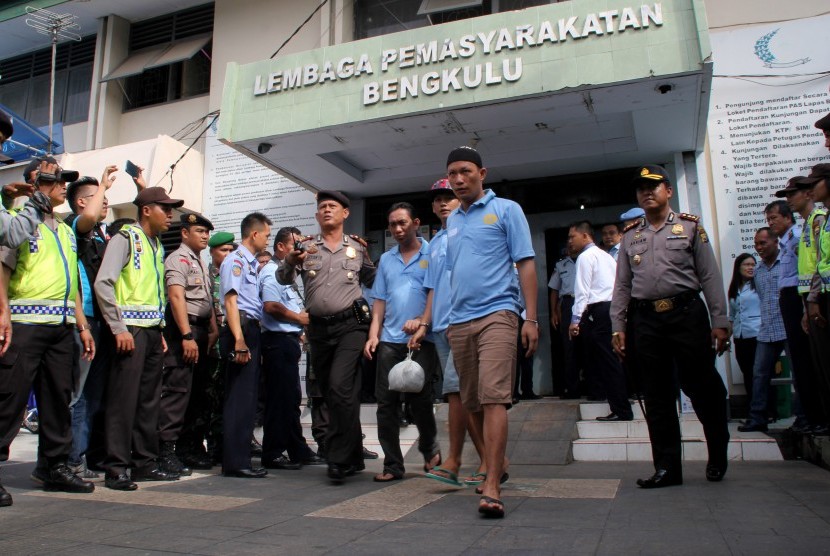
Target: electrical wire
x=297, y=30
x=173, y=166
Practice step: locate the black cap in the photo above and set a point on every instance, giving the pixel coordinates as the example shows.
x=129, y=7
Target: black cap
x=464, y=154
x=34, y=164
x=6, y=127
x=818, y=173
x=651, y=174
x=156, y=196
x=824, y=123
x=794, y=184
x=196, y=219
x=334, y=196
x=65, y=176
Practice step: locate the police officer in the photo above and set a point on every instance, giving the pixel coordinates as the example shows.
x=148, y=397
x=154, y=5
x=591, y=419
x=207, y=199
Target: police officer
x=561, y=286
x=240, y=344
x=665, y=260
x=130, y=291
x=333, y=265
x=41, y=277
x=190, y=323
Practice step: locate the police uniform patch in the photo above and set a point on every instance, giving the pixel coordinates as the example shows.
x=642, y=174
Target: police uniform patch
x=704, y=237
x=490, y=218
x=637, y=259
x=677, y=229
x=350, y=252
x=424, y=263
x=236, y=270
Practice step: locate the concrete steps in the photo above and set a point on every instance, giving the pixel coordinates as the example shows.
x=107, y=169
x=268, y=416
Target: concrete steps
x=629, y=441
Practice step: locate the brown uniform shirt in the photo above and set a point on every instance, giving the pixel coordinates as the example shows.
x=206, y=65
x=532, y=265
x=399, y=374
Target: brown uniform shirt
x=184, y=268
x=331, y=279
x=655, y=263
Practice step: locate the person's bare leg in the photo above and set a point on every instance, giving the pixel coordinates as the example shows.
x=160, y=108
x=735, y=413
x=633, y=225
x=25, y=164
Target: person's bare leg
x=495, y=444
x=457, y=424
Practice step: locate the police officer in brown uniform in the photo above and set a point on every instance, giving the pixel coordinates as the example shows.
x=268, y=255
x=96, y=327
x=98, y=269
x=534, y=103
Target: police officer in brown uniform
x=190, y=326
x=333, y=265
x=665, y=261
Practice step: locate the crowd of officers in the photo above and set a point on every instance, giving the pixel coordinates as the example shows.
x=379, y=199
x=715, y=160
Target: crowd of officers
x=169, y=353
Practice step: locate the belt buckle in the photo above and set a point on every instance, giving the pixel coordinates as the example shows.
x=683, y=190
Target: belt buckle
x=663, y=305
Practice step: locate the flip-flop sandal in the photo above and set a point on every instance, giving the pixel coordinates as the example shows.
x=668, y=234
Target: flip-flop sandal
x=450, y=478
x=429, y=459
x=386, y=478
x=476, y=479
x=504, y=478
x=489, y=510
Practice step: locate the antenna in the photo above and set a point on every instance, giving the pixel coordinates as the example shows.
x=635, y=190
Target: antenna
x=56, y=26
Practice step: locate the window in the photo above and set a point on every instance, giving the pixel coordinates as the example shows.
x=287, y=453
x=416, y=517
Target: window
x=169, y=58
x=24, y=87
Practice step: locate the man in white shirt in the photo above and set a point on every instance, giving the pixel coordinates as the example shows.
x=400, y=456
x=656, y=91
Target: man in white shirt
x=594, y=286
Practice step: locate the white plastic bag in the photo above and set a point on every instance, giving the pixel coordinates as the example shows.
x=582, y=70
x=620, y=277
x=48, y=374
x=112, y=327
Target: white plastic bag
x=406, y=376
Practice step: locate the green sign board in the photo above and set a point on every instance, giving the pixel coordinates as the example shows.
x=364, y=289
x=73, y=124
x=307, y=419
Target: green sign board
x=486, y=59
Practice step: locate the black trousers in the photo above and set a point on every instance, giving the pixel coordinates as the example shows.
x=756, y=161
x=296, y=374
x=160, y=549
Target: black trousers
x=524, y=367
x=40, y=356
x=820, y=350
x=241, y=386
x=571, y=347
x=281, y=366
x=805, y=375
x=177, y=392
x=420, y=404
x=679, y=339
x=133, y=400
x=595, y=328
x=319, y=409
x=335, y=351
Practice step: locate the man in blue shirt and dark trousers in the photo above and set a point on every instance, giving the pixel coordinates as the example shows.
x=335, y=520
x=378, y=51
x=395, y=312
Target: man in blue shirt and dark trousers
x=486, y=235
x=400, y=299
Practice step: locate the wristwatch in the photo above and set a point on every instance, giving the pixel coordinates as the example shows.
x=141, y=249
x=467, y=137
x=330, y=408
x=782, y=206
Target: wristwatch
x=188, y=336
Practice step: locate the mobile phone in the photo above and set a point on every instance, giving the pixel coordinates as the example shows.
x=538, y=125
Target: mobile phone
x=298, y=246
x=131, y=169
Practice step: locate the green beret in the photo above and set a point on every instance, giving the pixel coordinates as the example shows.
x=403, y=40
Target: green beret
x=221, y=238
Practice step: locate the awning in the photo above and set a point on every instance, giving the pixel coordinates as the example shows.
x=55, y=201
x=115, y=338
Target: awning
x=158, y=56
x=437, y=6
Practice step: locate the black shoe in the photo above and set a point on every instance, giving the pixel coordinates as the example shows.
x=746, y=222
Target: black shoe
x=336, y=473
x=569, y=397
x=369, y=454
x=196, y=461
x=170, y=463
x=820, y=430
x=5, y=498
x=597, y=398
x=40, y=475
x=661, y=478
x=61, y=478
x=119, y=482
x=314, y=459
x=613, y=417
x=256, y=447
x=280, y=462
x=753, y=427
x=515, y=400
x=250, y=473
x=531, y=396
x=715, y=472
x=154, y=474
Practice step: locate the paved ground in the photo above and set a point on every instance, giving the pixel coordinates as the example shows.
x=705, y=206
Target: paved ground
x=582, y=508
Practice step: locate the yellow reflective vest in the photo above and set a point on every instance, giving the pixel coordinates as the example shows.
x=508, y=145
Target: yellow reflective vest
x=808, y=251
x=44, y=283
x=139, y=290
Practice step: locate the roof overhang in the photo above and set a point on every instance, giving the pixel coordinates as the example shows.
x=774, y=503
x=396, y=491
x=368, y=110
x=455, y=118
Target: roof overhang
x=614, y=96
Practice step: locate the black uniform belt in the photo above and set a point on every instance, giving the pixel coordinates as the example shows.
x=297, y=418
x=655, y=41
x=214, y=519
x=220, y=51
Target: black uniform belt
x=667, y=303
x=246, y=318
x=197, y=321
x=330, y=319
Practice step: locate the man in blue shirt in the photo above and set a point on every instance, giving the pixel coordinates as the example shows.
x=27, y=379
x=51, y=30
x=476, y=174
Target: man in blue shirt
x=486, y=236
x=240, y=340
x=771, y=334
x=782, y=223
x=283, y=321
x=561, y=286
x=400, y=296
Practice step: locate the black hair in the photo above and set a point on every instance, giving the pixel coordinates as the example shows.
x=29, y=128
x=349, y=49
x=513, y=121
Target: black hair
x=616, y=225
x=73, y=193
x=253, y=220
x=783, y=209
x=284, y=235
x=737, y=280
x=402, y=206
x=582, y=226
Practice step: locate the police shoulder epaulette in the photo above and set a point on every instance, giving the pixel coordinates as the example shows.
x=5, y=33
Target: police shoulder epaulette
x=633, y=225
x=686, y=216
x=306, y=238
x=124, y=233
x=359, y=239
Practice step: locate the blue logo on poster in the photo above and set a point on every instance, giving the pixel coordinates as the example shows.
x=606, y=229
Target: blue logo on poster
x=762, y=50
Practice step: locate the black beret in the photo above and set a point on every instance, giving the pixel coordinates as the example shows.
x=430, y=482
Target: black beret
x=195, y=219
x=334, y=195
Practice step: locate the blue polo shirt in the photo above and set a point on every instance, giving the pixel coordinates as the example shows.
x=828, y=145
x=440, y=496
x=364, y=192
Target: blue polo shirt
x=401, y=286
x=788, y=244
x=482, y=245
x=238, y=274
x=288, y=296
x=437, y=279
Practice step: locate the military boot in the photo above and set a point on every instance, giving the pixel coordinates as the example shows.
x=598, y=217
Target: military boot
x=169, y=462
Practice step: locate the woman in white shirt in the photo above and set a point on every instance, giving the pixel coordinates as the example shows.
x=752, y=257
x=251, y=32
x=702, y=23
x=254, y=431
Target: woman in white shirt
x=745, y=315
